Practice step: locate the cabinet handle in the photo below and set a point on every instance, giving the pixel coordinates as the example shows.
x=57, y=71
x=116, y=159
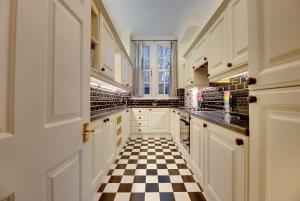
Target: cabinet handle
x=239, y=142
x=139, y=110
x=205, y=58
x=252, y=99
x=251, y=81
x=140, y=124
x=102, y=69
x=204, y=125
x=139, y=130
x=229, y=65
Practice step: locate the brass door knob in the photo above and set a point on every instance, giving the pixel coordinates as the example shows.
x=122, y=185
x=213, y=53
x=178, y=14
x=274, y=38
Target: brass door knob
x=86, y=131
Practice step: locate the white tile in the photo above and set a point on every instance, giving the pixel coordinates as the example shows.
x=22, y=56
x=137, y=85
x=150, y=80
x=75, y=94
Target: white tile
x=143, y=153
x=169, y=157
x=151, y=157
x=131, y=166
x=126, y=153
x=152, y=197
x=151, y=166
x=179, y=161
x=161, y=161
x=140, y=172
x=192, y=187
x=127, y=179
x=138, y=187
x=181, y=196
x=171, y=166
x=133, y=157
x=123, y=161
x=111, y=188
x=142, y=161
x=162, y=172
x=159, y=153
x=165, y=187
x=151, y=150
x=122, y=197
x=185, y=172
x=176, y=179
x=135, y=150
x=151, y=179
x=118, y=172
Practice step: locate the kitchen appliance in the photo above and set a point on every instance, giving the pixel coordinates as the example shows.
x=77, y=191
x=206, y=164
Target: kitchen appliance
x=185, y=130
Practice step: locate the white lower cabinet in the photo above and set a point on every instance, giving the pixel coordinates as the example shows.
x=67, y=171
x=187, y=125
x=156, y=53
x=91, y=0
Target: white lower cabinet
x=275, y=145
x=197, y=143
x=159, y=120
x=177, y=126
x=225, y=165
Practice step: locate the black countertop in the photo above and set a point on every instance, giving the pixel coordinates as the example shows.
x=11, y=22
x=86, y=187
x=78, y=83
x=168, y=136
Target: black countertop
x=220, y=118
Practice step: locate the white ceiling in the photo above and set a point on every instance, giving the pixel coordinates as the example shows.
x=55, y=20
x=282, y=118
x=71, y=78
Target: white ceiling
x=158, y=19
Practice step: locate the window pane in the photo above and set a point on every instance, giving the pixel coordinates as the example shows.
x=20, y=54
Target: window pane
x=146, y=63
x=161, y=77
x=167, y=88
x=161, y=89
x=146, y=51
x=167, y=76
x=147, y=89
x=160, y=51
x=146, y=76
x=160, y=63
x=167, y=63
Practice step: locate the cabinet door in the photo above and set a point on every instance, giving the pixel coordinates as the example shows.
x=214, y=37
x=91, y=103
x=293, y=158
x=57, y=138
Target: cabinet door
x=188, y=70
x=111, y=139
x=216, y=46
x=124, y=71
x=177, y=127
x=99, y=151
x=107, y=50
x=226, y=165
x=274, y=45
x=172, y=122
x=159, y=120
x=200, y=53
x=126, y=123
x=197, y=146
x=275, y=145
x=238, y=33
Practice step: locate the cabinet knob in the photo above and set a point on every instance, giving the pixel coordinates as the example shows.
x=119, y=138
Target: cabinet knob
x=208, y=75
x=192, y=82
x=140, y=130
x=127, y=111
x=140, y=124
x=251, y=81
x=102, y=69
x=104, y=121
x=252, y=99
x=107, y=119
x=204, y=125
x=127, y=85
x=239, y=142
x=178, y=113
x=139, y=110
x=174, y=111
x=193, y=67
x=229, y=65
x=140, y=117
x=205, y=58
x=149, y=109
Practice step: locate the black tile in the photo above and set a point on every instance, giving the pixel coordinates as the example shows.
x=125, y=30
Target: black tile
x=151, y=161
x=132, y=161
x=141, y=166
x=167, y=197
x=151, y=172
x=129, y=172
x=139, y=179
x=188, y=179
x=137, y=197
x=173, y=172
x=182, y=166
x=121, y=166
x=162, y=166
x=151, y=187
x=115, y=179
x=101, y=188
x=170, y=161
x=197, y=196
x=178, y=187
x=164, y=179
x=125, y=188
x=107, y=197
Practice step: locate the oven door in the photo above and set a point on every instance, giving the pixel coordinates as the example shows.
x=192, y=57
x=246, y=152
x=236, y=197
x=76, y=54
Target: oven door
x=185, y=134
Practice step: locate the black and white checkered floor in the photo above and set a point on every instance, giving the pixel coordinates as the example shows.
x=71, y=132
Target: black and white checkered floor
x=150, y=169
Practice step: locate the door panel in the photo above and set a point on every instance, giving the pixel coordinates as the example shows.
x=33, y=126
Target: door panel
x=275, y=125
x=274, y=43
x=159, y=120
x=49, y=100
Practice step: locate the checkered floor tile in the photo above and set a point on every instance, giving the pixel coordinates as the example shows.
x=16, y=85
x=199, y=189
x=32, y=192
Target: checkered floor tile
x=150, y=169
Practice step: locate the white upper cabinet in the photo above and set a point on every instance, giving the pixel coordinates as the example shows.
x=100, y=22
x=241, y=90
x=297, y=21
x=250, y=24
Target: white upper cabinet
x=189, y=69
x=126, y=72
x=200, y=53
x=274, y=44
x=238, y=33
x=217, y=46
x=159, y=120
x=107, y=52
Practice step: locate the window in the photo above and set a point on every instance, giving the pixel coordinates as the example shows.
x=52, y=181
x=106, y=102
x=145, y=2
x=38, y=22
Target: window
x=156, y=68
x=163, y=69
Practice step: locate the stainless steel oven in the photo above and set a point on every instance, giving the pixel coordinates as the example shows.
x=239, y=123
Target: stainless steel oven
x=185, y=130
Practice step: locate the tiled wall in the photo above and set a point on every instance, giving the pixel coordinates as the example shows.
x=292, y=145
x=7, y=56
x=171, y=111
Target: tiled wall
x=213, y=97
x=104, y=97
x=160, y=102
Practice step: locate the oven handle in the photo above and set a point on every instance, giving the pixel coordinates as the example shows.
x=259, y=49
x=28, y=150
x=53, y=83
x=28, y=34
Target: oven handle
x=186, y=122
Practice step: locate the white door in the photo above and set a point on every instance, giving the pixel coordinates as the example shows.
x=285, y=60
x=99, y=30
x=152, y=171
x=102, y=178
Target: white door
x=159, y=120
x=226, y=165
x=238, y=32
x=275, y=145
x=274, y=44
x=111, y=140
x=45, y=84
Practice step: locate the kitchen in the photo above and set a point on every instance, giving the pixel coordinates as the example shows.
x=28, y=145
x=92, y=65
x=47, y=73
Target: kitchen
x=199, y=101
